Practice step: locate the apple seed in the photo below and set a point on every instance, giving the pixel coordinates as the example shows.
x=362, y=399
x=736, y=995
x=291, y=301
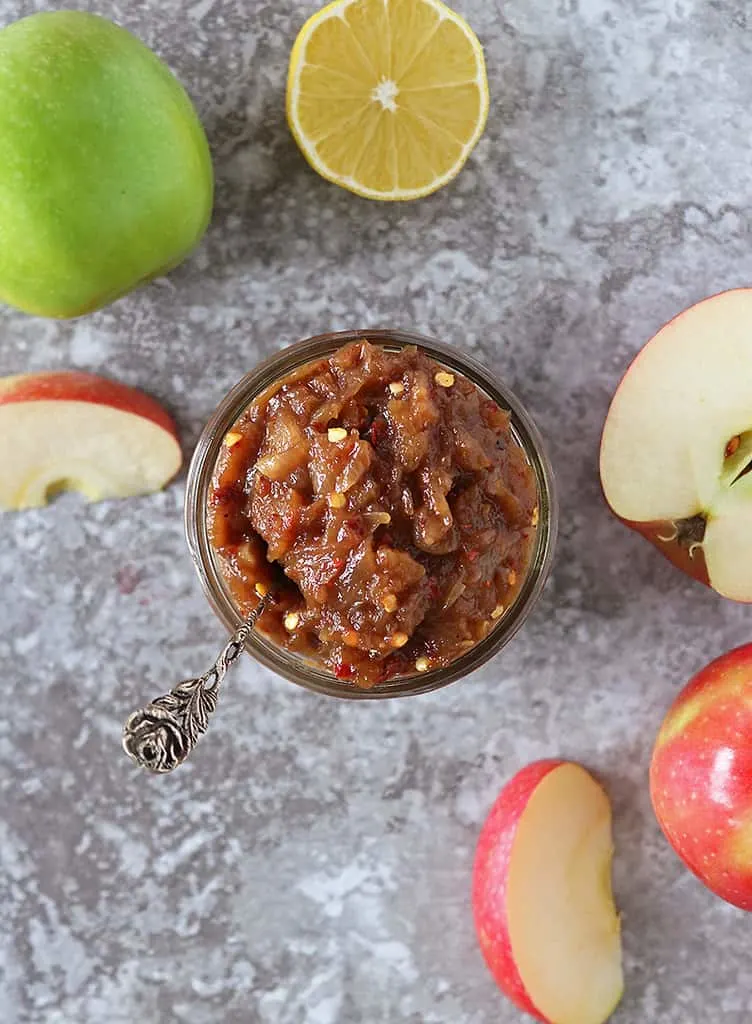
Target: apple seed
x=732, y=446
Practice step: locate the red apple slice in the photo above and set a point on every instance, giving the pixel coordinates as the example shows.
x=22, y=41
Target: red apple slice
x=678, y=439
x=68, y=430
x=542, y=899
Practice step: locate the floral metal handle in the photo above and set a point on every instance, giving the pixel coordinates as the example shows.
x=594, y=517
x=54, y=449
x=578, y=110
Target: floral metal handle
x=160, y=736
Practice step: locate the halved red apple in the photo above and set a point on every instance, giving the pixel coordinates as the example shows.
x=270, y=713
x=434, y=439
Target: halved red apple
x=542, y=900
x=68, y=430
x=677, y=443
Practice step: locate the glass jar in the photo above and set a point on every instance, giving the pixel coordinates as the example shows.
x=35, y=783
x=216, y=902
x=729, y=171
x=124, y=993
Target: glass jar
x=292, y=666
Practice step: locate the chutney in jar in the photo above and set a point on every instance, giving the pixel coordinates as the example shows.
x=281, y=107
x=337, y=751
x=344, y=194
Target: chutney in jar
x=385, y=501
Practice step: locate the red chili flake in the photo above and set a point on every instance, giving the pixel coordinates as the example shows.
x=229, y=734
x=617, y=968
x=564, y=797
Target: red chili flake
x=355, y=527
x=338, y=563
x=472, y=554
x=262, y=486
x=227, y=492
x=343, y=670
x=377, y=433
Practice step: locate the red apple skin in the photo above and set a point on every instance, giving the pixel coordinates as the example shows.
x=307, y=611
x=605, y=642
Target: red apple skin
x=701, y=776
x=490, y=876
x=77, y=386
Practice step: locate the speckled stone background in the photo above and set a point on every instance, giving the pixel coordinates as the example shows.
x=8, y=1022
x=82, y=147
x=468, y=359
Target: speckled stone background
x=311, y=864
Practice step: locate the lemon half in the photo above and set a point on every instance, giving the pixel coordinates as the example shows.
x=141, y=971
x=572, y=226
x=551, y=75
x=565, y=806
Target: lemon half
x=387, y=98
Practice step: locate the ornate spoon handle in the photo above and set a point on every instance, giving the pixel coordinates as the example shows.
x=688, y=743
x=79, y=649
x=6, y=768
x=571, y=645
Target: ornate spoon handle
x=161, y=735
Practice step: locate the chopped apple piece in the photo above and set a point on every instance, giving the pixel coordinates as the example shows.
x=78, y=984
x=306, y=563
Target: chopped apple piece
x=68, y=430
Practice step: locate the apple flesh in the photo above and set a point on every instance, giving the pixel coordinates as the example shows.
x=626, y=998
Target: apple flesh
x=105, y=178
x=542, y=900
x=75, y=431
x=677, y=443
x=701, y=776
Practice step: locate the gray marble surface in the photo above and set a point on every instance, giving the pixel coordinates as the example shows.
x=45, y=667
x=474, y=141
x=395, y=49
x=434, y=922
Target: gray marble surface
x=311, y=864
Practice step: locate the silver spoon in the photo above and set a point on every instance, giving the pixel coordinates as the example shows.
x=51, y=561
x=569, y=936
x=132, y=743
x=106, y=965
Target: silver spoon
x=160, y=736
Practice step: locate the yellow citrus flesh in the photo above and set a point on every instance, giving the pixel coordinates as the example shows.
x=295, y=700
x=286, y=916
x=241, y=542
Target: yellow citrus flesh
x=387, y=98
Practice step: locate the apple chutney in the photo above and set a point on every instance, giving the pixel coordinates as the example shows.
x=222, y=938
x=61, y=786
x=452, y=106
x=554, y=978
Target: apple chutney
x=385, y=502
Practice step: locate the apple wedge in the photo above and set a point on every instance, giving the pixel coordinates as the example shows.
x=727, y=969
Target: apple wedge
x=68, y=430
x=542, y=900
x=677, y=443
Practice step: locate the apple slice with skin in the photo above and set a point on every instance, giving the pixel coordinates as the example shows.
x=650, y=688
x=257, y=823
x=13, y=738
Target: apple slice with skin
x=542, y=900
x=68, y=430
x=678, y=440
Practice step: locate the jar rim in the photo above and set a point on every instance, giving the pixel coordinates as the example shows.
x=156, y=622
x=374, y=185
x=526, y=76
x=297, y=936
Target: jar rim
x=201, y=470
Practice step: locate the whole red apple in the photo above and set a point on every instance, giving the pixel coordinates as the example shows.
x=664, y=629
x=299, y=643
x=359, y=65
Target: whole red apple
x=701, y=776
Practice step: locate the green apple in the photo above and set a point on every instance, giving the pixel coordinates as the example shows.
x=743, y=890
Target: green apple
x=105, y=176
